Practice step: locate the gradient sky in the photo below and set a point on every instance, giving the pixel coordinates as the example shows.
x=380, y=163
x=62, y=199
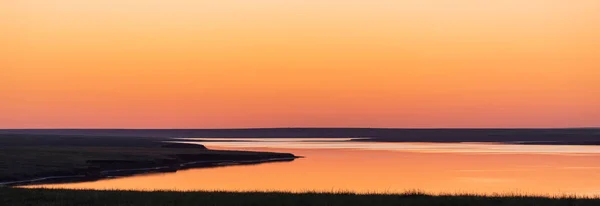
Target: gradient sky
x=299, y=63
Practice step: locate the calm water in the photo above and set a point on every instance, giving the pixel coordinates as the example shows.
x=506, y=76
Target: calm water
x=338, y=164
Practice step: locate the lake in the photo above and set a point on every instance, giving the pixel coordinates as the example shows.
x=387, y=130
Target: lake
x=339, y=164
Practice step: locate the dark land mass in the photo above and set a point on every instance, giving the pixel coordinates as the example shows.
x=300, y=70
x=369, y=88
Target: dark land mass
x=70, y=158
x=18, y=197
x=580, y=136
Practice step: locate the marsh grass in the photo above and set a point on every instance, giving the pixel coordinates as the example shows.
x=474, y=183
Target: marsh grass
x=52, y=197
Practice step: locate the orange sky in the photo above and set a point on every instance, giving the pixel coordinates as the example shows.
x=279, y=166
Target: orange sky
x=272, y=63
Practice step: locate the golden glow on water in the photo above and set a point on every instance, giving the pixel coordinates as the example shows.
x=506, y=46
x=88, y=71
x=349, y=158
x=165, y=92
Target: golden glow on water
x=382, y=170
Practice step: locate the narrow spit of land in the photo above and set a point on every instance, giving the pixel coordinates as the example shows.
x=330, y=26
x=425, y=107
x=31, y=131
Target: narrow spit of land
x=47, y=197
x=31, y=159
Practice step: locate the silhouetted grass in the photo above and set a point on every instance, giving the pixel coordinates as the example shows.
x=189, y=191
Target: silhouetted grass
x=47, y=197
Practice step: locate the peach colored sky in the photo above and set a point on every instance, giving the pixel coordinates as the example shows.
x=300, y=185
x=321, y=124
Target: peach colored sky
x=272, y=63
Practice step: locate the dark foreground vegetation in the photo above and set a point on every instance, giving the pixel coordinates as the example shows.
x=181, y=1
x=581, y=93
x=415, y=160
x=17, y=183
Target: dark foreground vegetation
x=26, y=157
x=575, y=136
x=46, y=197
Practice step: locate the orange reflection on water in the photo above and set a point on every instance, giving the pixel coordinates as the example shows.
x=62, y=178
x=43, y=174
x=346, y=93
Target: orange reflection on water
x=383, y=171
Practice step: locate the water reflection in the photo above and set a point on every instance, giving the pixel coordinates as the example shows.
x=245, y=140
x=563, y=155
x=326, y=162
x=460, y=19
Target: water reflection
x=346, y=143
x=388, y=167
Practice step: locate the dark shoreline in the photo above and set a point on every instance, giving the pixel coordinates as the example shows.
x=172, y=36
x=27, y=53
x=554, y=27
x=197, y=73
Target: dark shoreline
x=44, y=159
x=120, y=173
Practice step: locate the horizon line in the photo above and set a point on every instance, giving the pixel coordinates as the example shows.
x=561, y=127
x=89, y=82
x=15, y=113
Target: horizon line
x=264, y=128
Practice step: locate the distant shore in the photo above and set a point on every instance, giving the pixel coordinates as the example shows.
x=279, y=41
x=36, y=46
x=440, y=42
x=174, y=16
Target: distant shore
x=566, y=136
